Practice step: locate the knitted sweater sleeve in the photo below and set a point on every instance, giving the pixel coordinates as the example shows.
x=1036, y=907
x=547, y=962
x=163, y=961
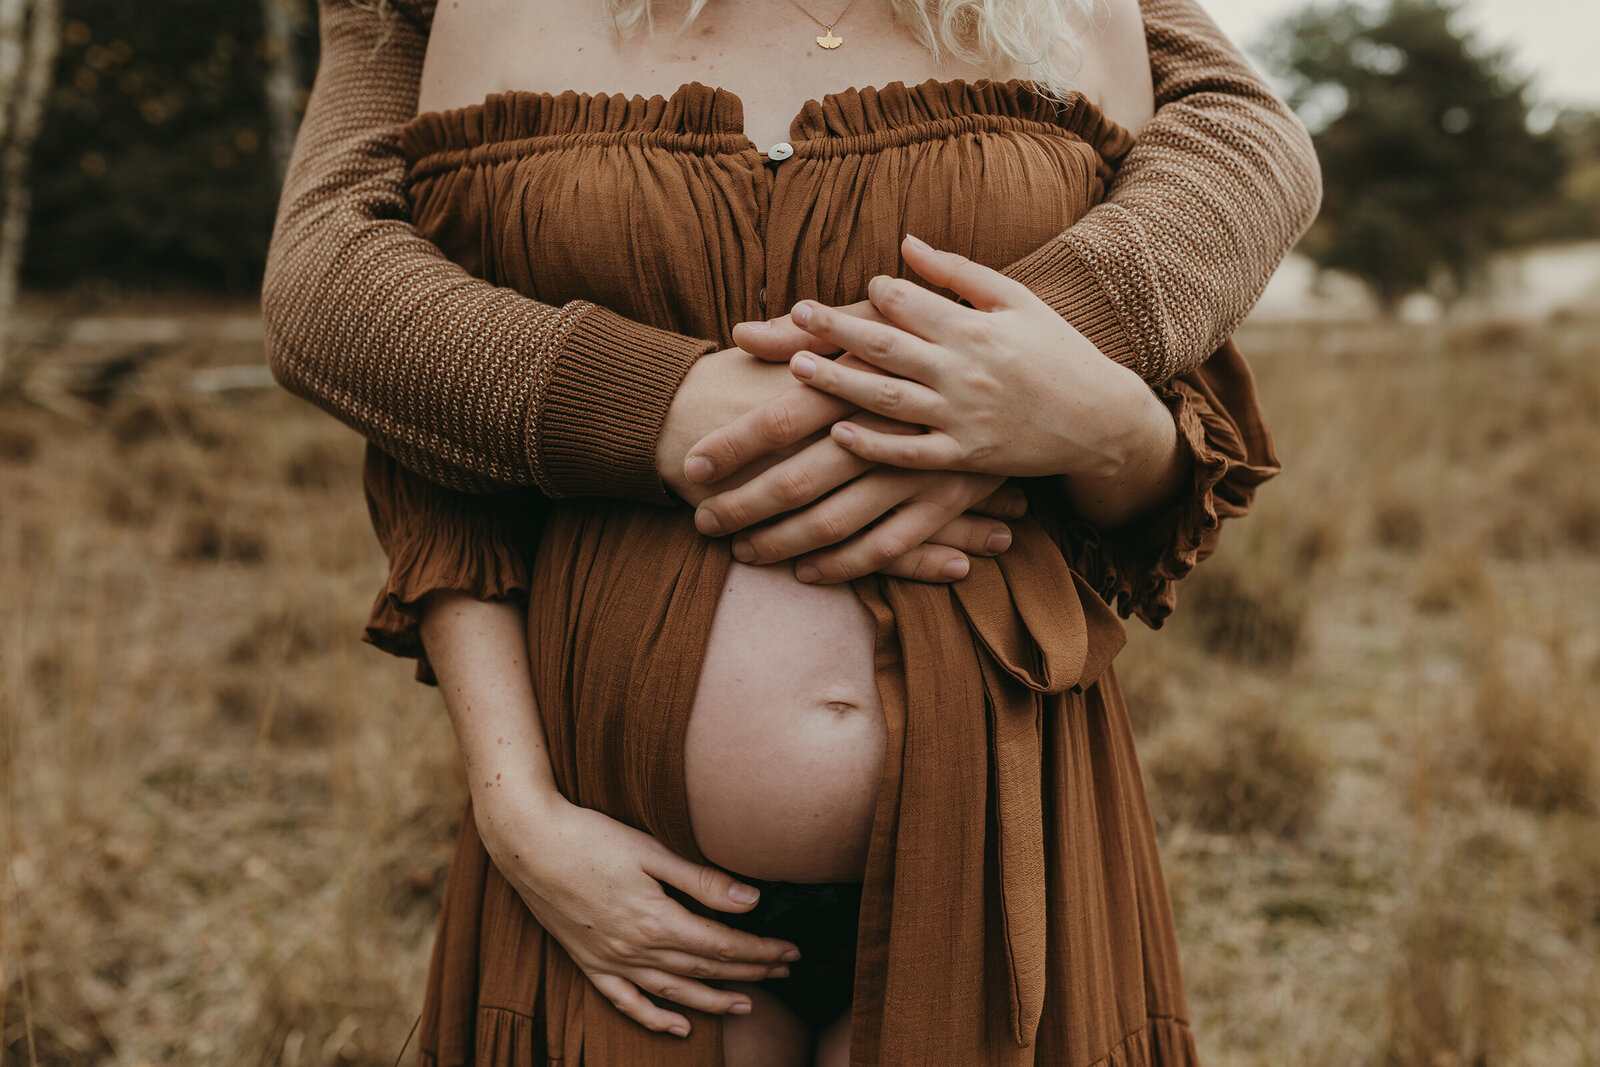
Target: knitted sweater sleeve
x=475, y=386
x=1215, y=192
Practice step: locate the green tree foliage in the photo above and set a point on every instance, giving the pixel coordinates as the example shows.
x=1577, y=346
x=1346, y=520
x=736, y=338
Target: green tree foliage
x=1575, y=215
x=153, y=168
x=1426, y=152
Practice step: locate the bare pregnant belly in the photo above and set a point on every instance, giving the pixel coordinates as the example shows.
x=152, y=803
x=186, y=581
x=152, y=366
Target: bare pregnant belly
x=784, y=748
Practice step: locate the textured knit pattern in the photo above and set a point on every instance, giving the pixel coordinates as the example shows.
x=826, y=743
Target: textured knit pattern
x=452, y=375
x=479, y=387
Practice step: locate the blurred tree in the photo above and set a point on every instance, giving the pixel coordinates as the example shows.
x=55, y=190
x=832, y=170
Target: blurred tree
x=280, y=21
x=29, y=35
x=1424, y=140
x=1575, y=214
x=156, y=166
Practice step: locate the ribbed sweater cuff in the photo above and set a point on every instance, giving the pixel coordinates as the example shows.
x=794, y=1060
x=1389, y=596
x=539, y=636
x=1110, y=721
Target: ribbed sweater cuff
x=1057, y=276
x=604, y=406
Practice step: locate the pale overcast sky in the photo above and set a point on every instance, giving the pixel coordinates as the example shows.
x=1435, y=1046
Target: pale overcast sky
x=1555, y=41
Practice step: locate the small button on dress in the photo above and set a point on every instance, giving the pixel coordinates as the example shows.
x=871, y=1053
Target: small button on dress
x=780, y=151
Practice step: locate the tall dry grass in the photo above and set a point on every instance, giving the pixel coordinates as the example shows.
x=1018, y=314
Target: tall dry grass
x=226, y=823
x=1369, y=728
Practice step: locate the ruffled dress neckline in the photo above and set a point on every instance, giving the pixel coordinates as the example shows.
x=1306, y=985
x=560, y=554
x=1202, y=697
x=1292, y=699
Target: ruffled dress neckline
x=702, y=118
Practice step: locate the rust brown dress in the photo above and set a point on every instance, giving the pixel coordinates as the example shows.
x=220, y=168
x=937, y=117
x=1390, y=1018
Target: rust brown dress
x=1014, y=910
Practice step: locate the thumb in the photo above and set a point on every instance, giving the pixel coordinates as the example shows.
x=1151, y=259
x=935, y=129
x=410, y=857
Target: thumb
x=983, y=288
x=711, y=886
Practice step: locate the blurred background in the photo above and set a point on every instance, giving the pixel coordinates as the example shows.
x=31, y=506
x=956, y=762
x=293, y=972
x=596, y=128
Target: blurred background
x=1369, y=732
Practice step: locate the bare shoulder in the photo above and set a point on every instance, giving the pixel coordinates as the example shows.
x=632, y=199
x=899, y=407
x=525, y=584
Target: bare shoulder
x=1114, y=69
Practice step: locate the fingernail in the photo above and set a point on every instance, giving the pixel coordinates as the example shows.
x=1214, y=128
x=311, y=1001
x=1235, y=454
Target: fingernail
x=707, y=522
x=778, y=972
x=698, y=469
x=741, y=1008
x=744, y=894
x=801, y=314
x=743, y=551
x=807, y=573
x=803, y=367
x=999, y=541
x=918, y=243
x=790, y=956
x=844, y=433
x=680, y=1031
x=956, y=568
x=757, y=324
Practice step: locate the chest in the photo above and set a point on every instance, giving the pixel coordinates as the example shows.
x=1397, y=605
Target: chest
x=766, y=51
x=664, y=211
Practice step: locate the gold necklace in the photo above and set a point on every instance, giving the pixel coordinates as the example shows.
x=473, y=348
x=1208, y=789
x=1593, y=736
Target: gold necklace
x=827, y=40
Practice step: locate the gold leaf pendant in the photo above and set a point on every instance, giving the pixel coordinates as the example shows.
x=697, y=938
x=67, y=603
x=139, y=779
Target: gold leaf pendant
x=829, y=41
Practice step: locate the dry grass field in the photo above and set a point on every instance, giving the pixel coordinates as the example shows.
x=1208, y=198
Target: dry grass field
x=1370, y=731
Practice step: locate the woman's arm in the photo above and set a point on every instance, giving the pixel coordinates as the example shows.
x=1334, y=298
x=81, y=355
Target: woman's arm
x=473, y=385
x=479, y=387
x=593, y=883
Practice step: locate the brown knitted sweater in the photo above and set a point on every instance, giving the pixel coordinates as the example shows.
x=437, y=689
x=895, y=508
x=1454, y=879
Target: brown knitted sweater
x=480, y=388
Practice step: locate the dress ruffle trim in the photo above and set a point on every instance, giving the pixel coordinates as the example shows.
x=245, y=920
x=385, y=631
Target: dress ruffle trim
x=699, y=117
x=897, y=106
x=1164, y=1042
x=441, y=541
x=1137, y=567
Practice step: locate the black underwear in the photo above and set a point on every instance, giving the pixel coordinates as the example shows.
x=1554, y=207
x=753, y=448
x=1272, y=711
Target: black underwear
x=820, y=920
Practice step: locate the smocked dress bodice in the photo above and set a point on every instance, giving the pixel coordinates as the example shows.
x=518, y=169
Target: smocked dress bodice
x=664, y=211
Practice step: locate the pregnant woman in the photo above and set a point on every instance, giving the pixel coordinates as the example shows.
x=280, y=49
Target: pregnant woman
x=960, y=751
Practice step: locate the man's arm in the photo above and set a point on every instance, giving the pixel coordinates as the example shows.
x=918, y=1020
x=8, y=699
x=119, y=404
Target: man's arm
x=473, y=385
x=1215, y=192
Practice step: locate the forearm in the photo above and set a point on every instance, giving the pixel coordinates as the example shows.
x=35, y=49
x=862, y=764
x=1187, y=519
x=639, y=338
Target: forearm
x=479, y=654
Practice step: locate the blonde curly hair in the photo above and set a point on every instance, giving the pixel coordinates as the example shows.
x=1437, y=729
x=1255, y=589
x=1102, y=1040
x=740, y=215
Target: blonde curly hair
x=1042, y=38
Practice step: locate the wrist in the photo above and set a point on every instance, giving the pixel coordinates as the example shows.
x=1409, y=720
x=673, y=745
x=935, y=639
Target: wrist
x=1140, y=468
x=689, y=418
x=515, y=819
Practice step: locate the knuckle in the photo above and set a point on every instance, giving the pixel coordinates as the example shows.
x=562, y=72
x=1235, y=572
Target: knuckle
x=710, y=882
x=732, y=513
x=725, y=952
x=795, y=484
x=882, y=343
x=891, y=293
x=701, y=969
x=890, y=395
x=887, y=545
x=833, y=524
x=776, y=423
